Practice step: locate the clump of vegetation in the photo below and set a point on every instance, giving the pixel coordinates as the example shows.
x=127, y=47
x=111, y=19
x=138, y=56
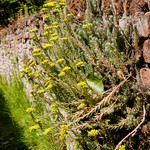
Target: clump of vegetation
x=83, y=80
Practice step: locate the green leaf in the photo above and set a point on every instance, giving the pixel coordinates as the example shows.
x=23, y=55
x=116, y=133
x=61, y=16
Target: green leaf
x=95, y=83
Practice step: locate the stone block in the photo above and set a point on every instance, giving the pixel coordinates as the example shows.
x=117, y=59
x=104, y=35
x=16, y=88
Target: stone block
x=146, y=51
x=145, y=79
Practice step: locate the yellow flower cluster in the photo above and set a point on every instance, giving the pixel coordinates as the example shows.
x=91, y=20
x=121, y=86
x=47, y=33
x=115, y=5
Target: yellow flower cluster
x=87, y=25
x=37, y=120
x=56, y=10
x=81, y=106
x=64, y=38
x=55, y=34
x=37, y=54
x=46, y=17
x=61, y=74
x=36, y=86
x=66, y=68
x=36, y=50
x=55, y=27
x=51, y=64
x=27, y=70
x=64, y=131
x=44, y=62
x=45, y=33
x=55, y=23
x=32, y=64
x=49, y=86
x=35, y=127
x=69, y=15
x=79, y=64
x=39, y=71
x=31, y=47
x=122, y=147
x=40, y=91
x=93, y=132
x=34, y=30
x=32, y=37
x=29, y=110
x=60, y=61
x=50, y=4
x=62, y=4
x=54, y=38
x=81, y=84
x=23, y=66
x=32, y=91
x=47, y=28
x=47, y=131
x=47, y=46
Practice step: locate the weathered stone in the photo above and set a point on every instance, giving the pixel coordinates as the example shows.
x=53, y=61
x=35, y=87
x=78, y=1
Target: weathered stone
x=145, y=79
x=146, y=51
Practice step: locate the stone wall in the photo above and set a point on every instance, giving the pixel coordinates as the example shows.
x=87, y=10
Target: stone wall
x=15, y=42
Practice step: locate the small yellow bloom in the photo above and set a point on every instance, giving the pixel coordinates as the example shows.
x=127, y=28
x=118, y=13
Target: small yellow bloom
x=49, y=4
x=36, y=50
x=31, y=47
x=60, y=60
x=61, y=74
x=62, y=4
x=22, y=75
x=55, y=109
x=31, y=92
x=37, y=120
x=36, y=86
x=65, y=20
x=47, y=46
x=29, y=62
x=93, y=132
x=38, y=54
x=81, y=106
x=49, y=86
x=29, y=110
x=45, y=33
x=37, y=75
x=47, y=131
x=39, y=71
x=69, y=15
x=55, y=23
x=55, y=34
x=79, y=64
x=87, y=25
x=48, y=28
x=81, y=84
x=64, y=131
x=54, y=38
x=32, y=37
x=64, y=38
x=34, y=30
x=33, y=63
x=55, y=27
x=122, y=147
x=44, y=9
x=40, y=91
x=55, y=11
x=44, y=62
x=35, y=127
x=46, y=17
x=23, y=66
x=51, y=64
x=66, y=68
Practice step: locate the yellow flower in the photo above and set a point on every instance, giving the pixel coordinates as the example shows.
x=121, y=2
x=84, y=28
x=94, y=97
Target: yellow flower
x=66, y=68
x=37, y=120
x=122, y=147
x=107, y=121
x=37, y=75
x=23, y=66
x=55, y=27
x=36, y=86
x=79, y=64
x=49, y=87
x=81, y=84
x=44, y=9
x=55, y=23
x=33, y=63
x=93, y=132
x=55, y=11
x=47, y=46
x=36, y=50
x=40, y=91
x=65, y=20
x=61, y=74
x=35, y=127
x=87, y=25
x=32, y=37
x=55, y=110
x=34, y=30
x=39, y=71
x=37, y=54
x=64, y=131
x=51, y=64
x=47, y=131
x=49, y=4
x=29, y=62
x=60, y=60
x=64, y=38
x=44, y=62
x=55, y=34
x=69, y=15
x=47, y=83
x=54, y=38
x=81, y=106
x=22, y=75
x=48, y=28
x=45, y=33
x=62, y=4
x=29, y=110
x=46, y=17
x=32, y=91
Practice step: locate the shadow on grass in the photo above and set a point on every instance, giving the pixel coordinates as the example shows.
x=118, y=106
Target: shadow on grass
x=10, y=133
